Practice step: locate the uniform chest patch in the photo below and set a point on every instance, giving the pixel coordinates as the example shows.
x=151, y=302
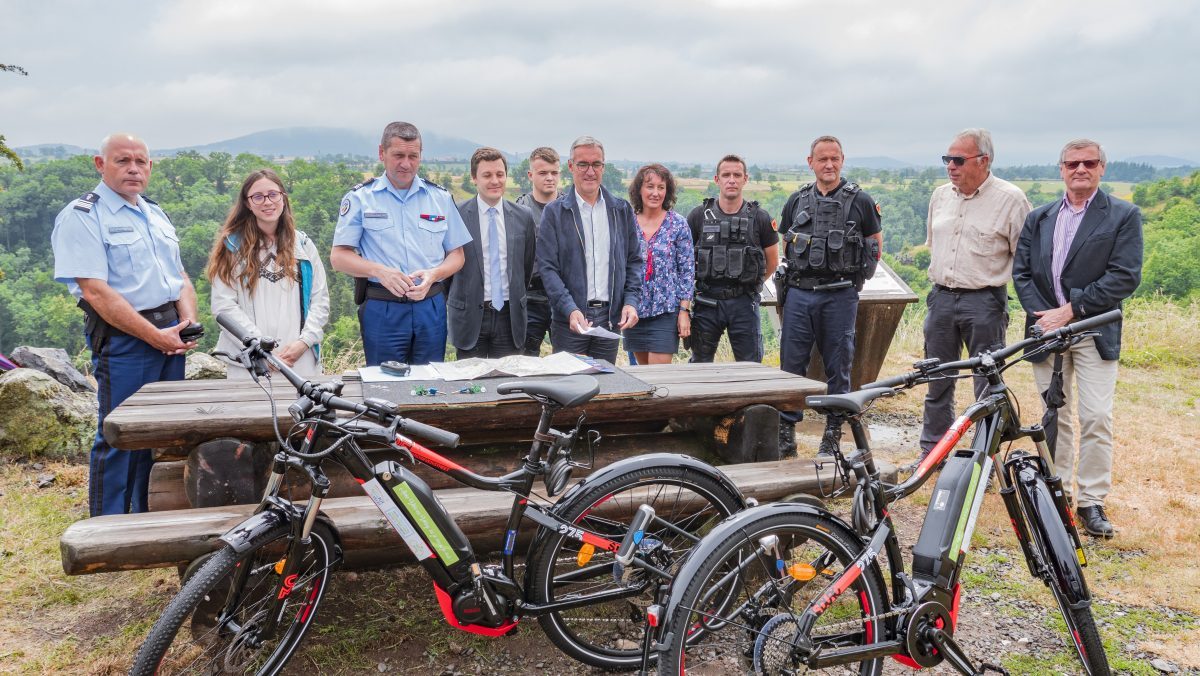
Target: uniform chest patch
x=433, y=218
x=375, y=214
x=118, y=229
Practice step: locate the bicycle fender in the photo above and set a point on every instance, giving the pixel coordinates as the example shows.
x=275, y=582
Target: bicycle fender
x=1064, y=565
x=248, y=533
x=648, y=461
x=731, y=528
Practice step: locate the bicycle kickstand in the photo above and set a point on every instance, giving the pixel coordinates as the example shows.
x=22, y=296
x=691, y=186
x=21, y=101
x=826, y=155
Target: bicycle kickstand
x=956, y=656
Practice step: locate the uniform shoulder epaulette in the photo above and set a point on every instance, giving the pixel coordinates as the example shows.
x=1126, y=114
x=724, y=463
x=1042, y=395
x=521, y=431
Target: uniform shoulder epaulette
x=807, y=187
x=86, y=201
x=160, y=209
x=851, y=187
x=364, y=184
x=435, y=185
x=150, y=201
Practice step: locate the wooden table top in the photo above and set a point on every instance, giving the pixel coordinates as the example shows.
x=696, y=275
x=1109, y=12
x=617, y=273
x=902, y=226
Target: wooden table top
x=185, y=413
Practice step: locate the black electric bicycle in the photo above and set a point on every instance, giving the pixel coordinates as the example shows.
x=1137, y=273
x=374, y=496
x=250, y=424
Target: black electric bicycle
x=784, y=588
x=248, y=607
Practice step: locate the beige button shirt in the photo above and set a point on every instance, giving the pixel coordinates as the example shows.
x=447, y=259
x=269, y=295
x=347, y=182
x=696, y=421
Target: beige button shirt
x=972, y=238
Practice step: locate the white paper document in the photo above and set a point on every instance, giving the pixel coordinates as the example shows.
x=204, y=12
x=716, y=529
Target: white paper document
x=599, y=332
x=557, y=364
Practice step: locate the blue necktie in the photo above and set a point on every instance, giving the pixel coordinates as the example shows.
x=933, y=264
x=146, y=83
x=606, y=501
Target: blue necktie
x=494, y=260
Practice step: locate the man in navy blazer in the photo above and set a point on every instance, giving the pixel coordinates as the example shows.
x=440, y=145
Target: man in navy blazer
x=485, y=307
x=1077, y=257
x=589, y=255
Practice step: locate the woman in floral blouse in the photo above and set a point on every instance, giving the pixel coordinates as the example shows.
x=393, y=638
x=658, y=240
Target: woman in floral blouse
x=670, y=275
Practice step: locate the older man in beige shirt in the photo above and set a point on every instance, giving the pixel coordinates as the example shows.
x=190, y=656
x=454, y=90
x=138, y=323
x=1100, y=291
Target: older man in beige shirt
x=972, y=231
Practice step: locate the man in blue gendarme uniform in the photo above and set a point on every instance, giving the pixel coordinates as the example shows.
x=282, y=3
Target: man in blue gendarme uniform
x=402, y=236
x=119, y=255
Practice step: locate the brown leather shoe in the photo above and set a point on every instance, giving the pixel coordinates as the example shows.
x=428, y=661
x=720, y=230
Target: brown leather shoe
x=1095, y=522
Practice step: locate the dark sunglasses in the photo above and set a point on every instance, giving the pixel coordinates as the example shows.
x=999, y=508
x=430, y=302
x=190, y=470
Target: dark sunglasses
x=1090, y=164
x=957, y=160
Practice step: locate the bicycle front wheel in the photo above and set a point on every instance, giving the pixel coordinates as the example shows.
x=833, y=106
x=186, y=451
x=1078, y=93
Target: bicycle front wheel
x=210, y=628
x=739, y=605
x=1061, y=570
x=608, y=632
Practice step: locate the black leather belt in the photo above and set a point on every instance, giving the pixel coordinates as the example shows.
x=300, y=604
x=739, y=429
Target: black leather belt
x=487, y=305
x=821, y=283
x=597, y=303
x=950, y=289
x=377, y=291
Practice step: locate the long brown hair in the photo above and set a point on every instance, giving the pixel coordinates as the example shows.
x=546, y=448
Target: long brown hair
x=242, y=225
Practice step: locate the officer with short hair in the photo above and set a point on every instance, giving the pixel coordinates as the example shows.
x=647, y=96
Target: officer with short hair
x=401, y=236
x=545, y=167
x=832, y=238
x=736, y=250
x=118, y=253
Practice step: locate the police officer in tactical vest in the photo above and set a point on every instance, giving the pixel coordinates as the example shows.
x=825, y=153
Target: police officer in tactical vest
x=832, y=244
x=736, y=250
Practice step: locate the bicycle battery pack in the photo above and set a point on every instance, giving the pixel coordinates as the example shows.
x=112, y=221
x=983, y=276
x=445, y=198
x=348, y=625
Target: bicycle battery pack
x=434, y=529
x=950, y=520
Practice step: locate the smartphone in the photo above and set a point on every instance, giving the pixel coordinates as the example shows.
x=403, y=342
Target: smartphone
x=395, y=368
x=193, y=332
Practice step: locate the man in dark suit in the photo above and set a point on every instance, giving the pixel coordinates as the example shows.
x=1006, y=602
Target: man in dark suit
x=1078, y=257
x=589, y=255
x=486, y=304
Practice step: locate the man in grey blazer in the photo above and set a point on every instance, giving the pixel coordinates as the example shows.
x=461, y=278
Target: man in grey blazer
x=485, y=307
x=1077, y=257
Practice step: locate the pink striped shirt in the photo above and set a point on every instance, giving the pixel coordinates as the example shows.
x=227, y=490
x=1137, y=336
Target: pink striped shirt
x=1065, y=228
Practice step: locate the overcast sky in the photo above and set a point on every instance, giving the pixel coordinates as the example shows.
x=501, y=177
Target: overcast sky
x=655, y=80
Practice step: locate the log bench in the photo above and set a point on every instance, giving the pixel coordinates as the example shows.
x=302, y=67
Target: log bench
x=174, y=538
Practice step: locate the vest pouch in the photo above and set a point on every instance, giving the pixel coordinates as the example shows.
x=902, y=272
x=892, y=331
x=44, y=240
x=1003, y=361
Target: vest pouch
x=741, y=231
x=718, y=260
x=816, y=253
x=703, y=262
x=870, y=262
x=800, y=242
x=735, y=261
x=710, y=235
x=724, y=231
x=835, y=250
x=752, y=265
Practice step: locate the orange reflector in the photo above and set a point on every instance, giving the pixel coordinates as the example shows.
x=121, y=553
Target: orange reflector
x=585, y=554
x=279, y=566
x=802, y=572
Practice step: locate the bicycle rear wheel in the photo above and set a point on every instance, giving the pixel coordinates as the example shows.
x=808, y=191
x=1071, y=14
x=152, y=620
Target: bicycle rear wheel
x=608, y=633
x=206, y=629
x=1061, y=569
x=735, y=606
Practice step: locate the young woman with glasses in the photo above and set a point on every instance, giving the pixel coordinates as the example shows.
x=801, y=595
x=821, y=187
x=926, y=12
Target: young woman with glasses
x=268, y=276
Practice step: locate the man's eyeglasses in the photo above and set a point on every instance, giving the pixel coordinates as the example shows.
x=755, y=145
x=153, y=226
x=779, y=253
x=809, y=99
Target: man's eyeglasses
x=258, y=198
x=1073, y=165
x=584, y=166
x=958, y=160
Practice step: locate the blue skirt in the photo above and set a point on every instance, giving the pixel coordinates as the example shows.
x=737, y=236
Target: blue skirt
x=659, y=333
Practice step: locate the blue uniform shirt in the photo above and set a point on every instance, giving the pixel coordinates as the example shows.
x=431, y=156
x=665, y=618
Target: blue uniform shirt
x=134, y=249
x=408, y=230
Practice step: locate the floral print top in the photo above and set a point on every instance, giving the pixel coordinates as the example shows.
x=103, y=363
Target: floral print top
x=670, y=273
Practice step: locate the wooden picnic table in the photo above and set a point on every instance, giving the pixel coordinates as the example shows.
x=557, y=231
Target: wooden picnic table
x=185, y=413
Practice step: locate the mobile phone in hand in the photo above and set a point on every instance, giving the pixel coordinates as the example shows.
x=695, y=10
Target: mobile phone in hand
x=194, y=332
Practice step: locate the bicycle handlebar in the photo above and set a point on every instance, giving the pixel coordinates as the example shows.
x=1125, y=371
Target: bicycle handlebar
x=922, y=375
x=260, y=348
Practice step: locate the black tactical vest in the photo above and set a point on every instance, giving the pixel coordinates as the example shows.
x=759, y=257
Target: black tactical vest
x=822, y=242
x=728, y=251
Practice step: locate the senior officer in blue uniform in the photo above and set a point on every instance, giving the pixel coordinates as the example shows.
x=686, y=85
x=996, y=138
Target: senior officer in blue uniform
x=402, y=236
x=118, y=254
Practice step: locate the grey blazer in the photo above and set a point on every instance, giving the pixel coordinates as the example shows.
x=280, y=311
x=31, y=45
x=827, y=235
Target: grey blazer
x=464, y=301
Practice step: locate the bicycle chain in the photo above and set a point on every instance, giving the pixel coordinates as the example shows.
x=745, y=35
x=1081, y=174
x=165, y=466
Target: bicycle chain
x=828, y=629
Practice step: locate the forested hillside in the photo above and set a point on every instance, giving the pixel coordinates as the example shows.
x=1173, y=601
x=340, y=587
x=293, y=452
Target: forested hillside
x=196, y=191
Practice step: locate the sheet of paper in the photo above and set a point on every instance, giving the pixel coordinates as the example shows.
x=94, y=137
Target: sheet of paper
x=373, y=374
x=598, y=332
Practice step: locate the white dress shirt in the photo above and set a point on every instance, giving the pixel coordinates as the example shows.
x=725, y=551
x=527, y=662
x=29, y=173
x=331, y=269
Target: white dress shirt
x=485, y=242
x=594, y=223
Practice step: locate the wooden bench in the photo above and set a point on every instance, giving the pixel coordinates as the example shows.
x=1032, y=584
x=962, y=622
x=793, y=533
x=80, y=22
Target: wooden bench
x=165, y=539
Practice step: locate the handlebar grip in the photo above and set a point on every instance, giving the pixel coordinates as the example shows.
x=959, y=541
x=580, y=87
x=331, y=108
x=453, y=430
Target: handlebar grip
x=1093, y=321
x=896, y=381
x=437, y=435
x=235, y=328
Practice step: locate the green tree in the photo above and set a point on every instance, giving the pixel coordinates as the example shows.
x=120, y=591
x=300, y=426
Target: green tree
x=5, y=151
x=520, y=176
x=613, y=179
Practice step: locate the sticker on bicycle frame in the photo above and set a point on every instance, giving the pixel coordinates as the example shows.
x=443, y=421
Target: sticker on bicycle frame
x=940, y=500
x=394, y=516
x=985, y=475
x=425, y=523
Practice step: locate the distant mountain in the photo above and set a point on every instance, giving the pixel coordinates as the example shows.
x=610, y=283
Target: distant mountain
x=1160, y=161
x=880, y=162
x=52, y=151
x=318, y=141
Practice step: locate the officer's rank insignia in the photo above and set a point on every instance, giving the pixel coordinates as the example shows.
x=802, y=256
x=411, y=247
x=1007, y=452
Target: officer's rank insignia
x=345, y=207
x=85, y=202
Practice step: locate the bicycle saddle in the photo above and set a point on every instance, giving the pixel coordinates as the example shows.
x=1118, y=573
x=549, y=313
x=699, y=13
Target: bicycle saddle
x=851, y=402
x=566, y=392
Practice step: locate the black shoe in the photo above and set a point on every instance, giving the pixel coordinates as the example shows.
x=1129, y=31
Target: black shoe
x=1095, y=521
x=831, y=441
x=787, y=439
